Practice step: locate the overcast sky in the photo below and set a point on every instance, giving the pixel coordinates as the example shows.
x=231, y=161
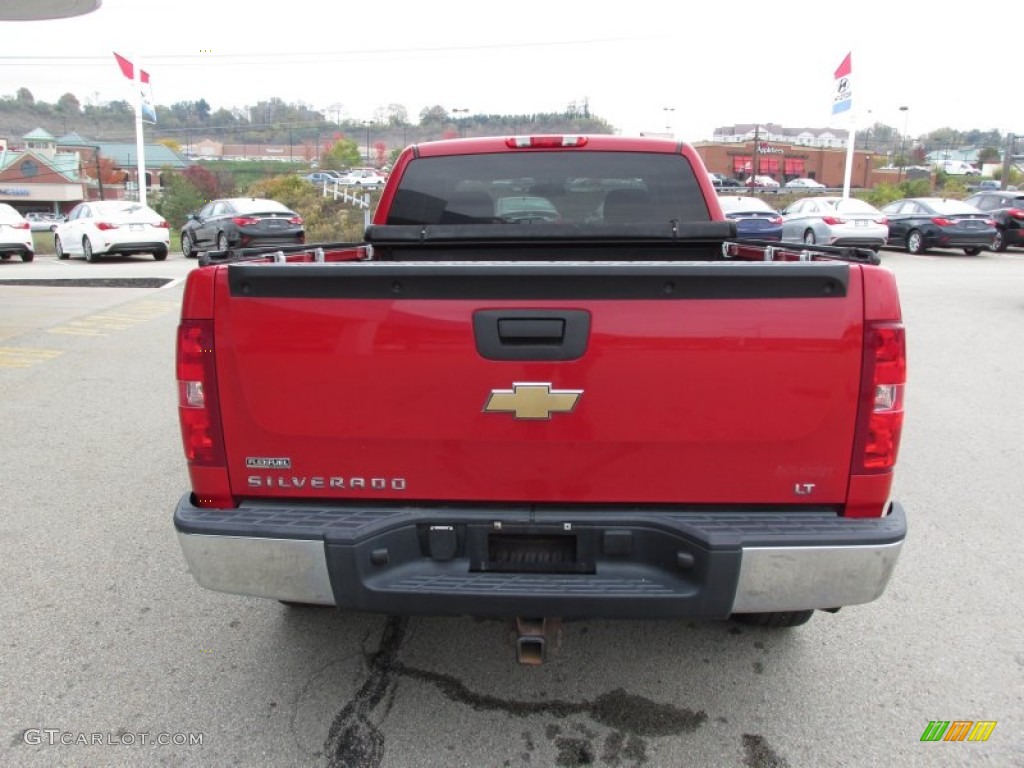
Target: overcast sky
x=644, y=66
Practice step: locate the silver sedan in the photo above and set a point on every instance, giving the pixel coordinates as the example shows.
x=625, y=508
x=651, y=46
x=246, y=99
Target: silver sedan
x=835, y=221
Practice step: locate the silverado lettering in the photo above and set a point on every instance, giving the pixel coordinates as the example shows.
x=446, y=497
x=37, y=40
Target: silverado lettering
x=732, y=457
x=294, y=481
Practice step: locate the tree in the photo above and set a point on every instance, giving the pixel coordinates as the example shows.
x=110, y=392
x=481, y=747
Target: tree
x=224, y=118
x=204, y=180
x=989, y=155
x=344, y=153
x=108, y=172
x=397, y=115
x=171, y=144
x=179, y=198
x=434, y=114
x=25, y=96
x=202, y=110
x=69, y=104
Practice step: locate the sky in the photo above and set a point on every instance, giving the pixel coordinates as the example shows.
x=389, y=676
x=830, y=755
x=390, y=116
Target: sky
x=642, y=65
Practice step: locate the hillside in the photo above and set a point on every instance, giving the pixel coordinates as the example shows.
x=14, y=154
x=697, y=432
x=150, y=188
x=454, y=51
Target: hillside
x=269, y=122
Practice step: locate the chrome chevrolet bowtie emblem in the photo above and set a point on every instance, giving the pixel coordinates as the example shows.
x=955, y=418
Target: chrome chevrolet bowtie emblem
x=532, y=401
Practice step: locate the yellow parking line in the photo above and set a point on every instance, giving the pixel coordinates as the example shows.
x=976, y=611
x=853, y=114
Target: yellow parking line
x=119, y=319
x=74, y=331
x=21, y=357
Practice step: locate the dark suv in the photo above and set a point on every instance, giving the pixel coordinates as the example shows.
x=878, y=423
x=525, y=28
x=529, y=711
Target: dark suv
x=720, y=181
x=1007, y=210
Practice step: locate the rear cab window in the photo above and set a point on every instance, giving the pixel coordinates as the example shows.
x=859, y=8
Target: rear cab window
x=570, y=187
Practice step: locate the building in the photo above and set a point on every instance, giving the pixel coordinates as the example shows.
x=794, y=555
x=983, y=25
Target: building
x=784, y=162
x=790, y=153
x=39, y=176
x=208, y=149
x=46, y=174
x=831, y=138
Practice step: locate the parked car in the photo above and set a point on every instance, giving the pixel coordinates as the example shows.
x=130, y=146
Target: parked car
x=985, y=185
x=722, y=182
x=920, y=223
x=761, y=181
x=835, y=221
x=109, y=227
x=754, y=218
x=240, y=222
x=804, y=184
x=15, y=234
x=524, y=209
x=42, y=222
x=323, y=177
x=362, y=177
x=1007, y=210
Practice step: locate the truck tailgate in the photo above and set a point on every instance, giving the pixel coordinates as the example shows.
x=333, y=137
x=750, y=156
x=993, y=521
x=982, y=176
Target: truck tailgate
x=526, y=382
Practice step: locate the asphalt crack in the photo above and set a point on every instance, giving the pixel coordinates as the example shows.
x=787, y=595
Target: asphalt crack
x=355, y=737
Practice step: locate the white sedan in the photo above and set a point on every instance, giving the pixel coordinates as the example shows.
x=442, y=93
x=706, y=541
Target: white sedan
x=15, y=234
x=107, y=227
x=761, y=181
x=804, y=184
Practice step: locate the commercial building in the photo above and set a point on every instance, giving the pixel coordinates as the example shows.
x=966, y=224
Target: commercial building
x=789, y=153
x=47, y=174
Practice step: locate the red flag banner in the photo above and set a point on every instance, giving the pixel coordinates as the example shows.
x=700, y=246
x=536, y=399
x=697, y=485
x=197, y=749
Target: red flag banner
x=146, y=95
x=844, y=68
x=128, y=70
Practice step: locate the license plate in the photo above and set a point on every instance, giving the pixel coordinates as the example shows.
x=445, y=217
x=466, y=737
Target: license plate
x=275, y=224
x=861, y=223
x=135, y=227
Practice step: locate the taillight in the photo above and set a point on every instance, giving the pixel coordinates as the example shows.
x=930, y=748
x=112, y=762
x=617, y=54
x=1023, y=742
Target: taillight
x=105, y=225
x=22, y=225
x=883, y=221
x=1016, y=213
x=163, y=224
x=548, y=142
x=245, y=221
x=941, y=221
x=296, y=220
x=880, y=416
x=775, y=220
x=833, y=220
x=198, y=408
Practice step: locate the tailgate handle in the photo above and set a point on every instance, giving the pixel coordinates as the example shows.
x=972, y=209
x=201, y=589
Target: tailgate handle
x=531, y=334
x=531, y=330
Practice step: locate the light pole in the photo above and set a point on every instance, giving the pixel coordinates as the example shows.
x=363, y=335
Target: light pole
x=367, y=124
x=336, y=108
x=903, y=143
x=867, y=132
x=461, y=121
x=668, y=117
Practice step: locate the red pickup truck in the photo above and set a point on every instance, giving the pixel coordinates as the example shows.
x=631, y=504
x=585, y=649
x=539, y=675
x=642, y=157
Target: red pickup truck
x=550, y=383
